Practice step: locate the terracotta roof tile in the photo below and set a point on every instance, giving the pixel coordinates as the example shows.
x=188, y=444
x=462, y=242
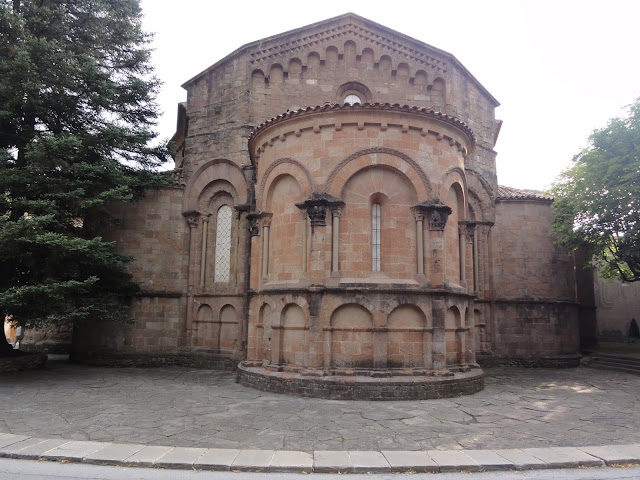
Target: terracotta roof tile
x=450, y=119
x=510, y=193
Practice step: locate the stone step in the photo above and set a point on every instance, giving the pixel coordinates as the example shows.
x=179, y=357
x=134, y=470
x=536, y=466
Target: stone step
x=615, y=363
x=612, y=362
x=615, y=368
x=610, y=356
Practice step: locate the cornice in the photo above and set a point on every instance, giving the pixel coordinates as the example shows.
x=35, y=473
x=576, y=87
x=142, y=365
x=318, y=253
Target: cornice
x=370, y=107
x=356, y=31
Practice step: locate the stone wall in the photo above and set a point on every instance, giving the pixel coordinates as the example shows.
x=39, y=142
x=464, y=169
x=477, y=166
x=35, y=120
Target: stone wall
x=535, y=311
x=155, y=234
x=616, y=304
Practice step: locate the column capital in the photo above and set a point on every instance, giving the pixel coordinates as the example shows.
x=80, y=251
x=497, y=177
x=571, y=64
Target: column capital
x=468, y=229
x=316, y=206
x=336, y=210
x=436, y=213
x=418, y=214
x=256, y=220
x=192, y=217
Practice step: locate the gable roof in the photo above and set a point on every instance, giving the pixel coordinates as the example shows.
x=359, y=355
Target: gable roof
x=410, y=47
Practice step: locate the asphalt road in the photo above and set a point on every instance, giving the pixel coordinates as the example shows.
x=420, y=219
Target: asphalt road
x=11, y=469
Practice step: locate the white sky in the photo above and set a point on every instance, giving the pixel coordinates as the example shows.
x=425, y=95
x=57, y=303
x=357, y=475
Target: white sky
x=559, y=68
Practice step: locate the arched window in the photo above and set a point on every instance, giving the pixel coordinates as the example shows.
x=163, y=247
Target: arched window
x=223, y=244
x=375, y=237
x=351, y=99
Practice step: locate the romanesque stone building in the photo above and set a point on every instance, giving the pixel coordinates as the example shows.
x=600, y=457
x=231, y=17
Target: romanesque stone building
x=337, y=215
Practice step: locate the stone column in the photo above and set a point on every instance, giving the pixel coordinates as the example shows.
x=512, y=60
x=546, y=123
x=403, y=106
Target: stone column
x=437, y=216
x=315, y=333
x=462, y=253
x=466, y=232
x=203, y=257
x=254, y=250
x=316, y=208
x=419, y=216
x=470, y=353
x=336, y=211
x=461, y=333
x=438, y=341
x=380, y=337
x=193, y=219
x=475, y=262
x=266, y=225
x=304, y=242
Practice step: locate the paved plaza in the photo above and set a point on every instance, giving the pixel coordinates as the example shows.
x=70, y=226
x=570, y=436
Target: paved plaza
x=519, y=408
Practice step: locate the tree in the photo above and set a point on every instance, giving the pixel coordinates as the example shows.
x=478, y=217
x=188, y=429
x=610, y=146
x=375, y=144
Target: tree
x=597, y=199
x=77, y=114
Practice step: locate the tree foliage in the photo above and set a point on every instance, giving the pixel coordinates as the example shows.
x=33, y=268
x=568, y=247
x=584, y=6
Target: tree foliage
x=597, y=199
x=77, y=114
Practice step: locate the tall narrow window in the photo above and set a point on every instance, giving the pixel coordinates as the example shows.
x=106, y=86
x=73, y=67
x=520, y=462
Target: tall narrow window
x=375, y=237
x=223, y=244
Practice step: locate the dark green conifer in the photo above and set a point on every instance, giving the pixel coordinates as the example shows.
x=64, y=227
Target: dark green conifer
x=77, y=114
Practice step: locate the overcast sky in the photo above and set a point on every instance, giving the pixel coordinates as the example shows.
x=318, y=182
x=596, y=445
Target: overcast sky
x=559, y=68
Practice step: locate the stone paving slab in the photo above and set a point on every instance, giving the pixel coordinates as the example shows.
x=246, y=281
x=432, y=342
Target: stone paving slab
x=34, y=451
x=489, y=460
x=331, y=461
x=453, y=461
x=8, y=450
x=519, y=408
x=410, y=461
x=322, y=461
x=250, y=460
x=564, y=457
x=74, y=450
x=291, y=461
x=521, y=460
x=615, y=454
x=524, y=419
x=147, y=456
x=9, y=439
x=217, y=459
x=180, y=457
x=367, y=461
x=113, y=453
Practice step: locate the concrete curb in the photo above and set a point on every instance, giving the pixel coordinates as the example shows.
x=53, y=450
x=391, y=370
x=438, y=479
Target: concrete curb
x=347, y=461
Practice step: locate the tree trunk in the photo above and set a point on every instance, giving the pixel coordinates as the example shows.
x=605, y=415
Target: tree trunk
x=6, y=350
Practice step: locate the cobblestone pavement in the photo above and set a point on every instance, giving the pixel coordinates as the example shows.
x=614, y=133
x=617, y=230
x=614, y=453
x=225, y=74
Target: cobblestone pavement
x=199, y=408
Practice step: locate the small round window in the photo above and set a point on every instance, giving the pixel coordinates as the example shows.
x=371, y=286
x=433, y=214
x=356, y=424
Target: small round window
x=351, y=99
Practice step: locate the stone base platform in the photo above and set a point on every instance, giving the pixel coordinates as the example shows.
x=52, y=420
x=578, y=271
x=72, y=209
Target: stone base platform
x=356, y=384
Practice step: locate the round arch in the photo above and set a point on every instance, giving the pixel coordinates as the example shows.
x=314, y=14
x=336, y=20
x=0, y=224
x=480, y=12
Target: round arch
x=365, y=158
x=285, y=166
x=219, y=169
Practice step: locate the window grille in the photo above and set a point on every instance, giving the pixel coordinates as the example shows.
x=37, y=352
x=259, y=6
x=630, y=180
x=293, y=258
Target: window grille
x=223, y=244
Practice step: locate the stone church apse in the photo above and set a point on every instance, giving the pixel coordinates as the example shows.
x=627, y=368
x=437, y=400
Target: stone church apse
x=337, y=228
